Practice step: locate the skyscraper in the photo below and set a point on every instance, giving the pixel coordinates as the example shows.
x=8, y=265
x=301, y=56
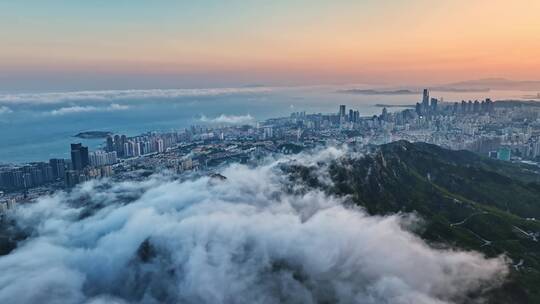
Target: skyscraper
x=342, y=110
x=384, y=114
x=425, y=100
x=58, y=168
x=79, y=156
x=118, y=145
x=418, y=108
x=110, y=144
x=123, y=140
x=434, y=103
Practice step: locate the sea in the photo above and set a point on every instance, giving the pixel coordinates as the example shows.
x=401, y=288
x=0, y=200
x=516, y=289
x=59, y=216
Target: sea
x=40, y=126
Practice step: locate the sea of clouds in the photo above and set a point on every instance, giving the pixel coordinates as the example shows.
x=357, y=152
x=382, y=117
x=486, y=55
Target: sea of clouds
x=111, y=95
x=5, y=110
x=228, y=119
x=76, y=102
x=86, y=109
x=251, y=238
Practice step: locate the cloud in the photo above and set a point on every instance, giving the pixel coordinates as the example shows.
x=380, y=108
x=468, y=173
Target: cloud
x=229, y=119
x=83, y=109
x=246, y=239
x=111, y=95
x=5, y=110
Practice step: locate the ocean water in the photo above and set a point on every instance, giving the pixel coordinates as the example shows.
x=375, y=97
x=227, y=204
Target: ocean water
x=36, y=127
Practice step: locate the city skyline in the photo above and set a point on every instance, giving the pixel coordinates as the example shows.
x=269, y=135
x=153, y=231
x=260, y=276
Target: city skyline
x=268, y=152
x=466, y=125
x=65, y=45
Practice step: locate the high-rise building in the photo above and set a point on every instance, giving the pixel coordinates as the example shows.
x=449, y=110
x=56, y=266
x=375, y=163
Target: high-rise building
x=118, y=145
x=434, y=103
x=123, y=140
x=161, y=147
x=58, y=168
x=110, y=144
x=26, y=176
x=356, y=116
x=128, y=149
x=425, y=100
x=76, y=158
x=79, y=156
x=384, y=114
x=71, y=178
x=476, y=106
x=418, y=109
x=101, y=158
x=342, y=111
x=136, y=149
x=536, y=149
x=268, y=132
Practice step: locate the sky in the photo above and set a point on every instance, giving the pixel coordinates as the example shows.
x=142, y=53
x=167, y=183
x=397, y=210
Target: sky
x=66, y=45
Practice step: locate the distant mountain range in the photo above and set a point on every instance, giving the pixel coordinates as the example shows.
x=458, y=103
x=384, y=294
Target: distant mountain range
x=480, y=85
x=492, y=84
x=468, y=202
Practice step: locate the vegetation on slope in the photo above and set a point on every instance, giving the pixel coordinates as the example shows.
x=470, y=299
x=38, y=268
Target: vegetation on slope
x=467, y=201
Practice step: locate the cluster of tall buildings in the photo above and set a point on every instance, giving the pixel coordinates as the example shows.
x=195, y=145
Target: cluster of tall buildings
x=88, y=165
x=83, y=164
x=79, y=157
x=351, y=116
x=510, y=130
x=343, y=119
x=140, y=145
x=6, y=205
x=31, y=175
x=74, y=177
x=430, y=106
x=474, y=107
x=427, y=106
x=504, y=132
x=102, y=158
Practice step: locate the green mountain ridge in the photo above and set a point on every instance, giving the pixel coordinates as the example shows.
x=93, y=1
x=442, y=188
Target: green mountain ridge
x=467, y=201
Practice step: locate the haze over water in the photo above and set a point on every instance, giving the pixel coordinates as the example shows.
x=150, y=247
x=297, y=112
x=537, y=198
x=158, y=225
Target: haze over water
x=36, y=127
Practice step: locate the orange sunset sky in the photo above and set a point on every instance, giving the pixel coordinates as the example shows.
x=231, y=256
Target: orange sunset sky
x=103, y=44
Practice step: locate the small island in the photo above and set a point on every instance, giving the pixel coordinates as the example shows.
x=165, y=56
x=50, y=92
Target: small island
x=93, y=134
